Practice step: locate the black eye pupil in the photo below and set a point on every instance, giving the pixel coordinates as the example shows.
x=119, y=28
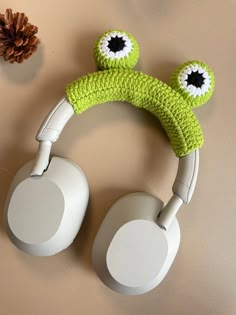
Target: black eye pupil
x=195, y=78
x=116, y=44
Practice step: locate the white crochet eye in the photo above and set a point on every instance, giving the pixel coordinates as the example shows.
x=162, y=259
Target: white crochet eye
x=116, y=49
x=195, y=80
x=115, y=45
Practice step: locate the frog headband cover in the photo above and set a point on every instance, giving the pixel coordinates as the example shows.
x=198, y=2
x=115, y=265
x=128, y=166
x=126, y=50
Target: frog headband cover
x=192, y=84
x=116, y=53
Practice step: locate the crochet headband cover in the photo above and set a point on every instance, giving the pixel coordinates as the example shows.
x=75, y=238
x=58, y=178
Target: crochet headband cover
x=192, y=84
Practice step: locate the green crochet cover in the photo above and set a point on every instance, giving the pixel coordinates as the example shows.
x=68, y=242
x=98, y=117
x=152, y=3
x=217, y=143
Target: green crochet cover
x=145, y=92
x=192, y=84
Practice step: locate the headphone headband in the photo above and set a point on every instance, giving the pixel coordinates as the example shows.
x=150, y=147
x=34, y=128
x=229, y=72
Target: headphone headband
x=183, y=186
x=145, y=92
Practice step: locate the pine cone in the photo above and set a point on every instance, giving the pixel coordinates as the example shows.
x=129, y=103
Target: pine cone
x=17, y=37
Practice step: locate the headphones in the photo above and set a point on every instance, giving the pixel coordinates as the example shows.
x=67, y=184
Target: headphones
x=139, y=237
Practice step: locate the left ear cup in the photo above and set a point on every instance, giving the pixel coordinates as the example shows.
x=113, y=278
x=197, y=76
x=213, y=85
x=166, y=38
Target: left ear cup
x=43, y=214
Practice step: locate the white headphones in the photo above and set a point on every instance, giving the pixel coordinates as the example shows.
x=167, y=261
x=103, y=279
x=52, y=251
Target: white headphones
x=139, y=237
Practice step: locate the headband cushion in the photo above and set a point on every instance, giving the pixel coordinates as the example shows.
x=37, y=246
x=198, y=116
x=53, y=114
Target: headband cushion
x=145, y=92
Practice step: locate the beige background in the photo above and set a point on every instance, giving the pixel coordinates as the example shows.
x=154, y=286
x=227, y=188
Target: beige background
x=122, y=149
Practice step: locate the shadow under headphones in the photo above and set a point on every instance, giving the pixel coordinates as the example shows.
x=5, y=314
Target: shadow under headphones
x=139, y=237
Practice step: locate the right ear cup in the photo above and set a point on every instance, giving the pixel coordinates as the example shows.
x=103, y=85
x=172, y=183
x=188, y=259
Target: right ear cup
x=131, y=253
x=43, y=214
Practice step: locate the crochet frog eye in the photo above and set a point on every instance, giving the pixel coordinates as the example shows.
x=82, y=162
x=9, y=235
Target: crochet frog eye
x=116, y=49
x=194, y=80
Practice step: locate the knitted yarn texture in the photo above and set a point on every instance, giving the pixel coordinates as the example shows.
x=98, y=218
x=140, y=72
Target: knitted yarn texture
x=192, y=85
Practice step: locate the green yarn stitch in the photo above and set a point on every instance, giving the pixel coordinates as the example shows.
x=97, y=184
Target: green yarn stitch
x=127, y=62
x=145, y=92
x=176, y=84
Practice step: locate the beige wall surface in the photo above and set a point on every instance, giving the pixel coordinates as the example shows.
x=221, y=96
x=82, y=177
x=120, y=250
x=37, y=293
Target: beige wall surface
x=122, y=149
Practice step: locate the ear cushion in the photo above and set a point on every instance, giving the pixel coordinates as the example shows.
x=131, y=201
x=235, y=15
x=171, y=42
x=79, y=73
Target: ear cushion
x=145, y=92
x=131, y=253
x=43, y=214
